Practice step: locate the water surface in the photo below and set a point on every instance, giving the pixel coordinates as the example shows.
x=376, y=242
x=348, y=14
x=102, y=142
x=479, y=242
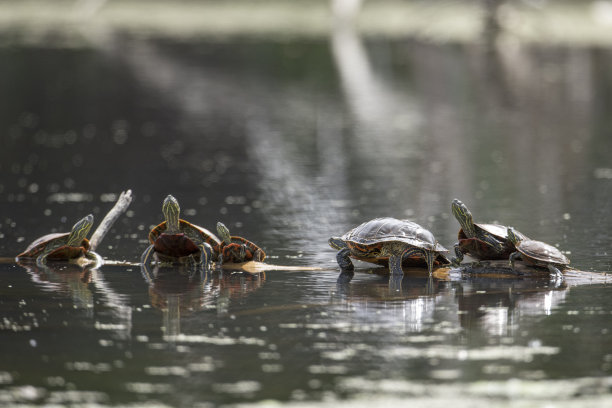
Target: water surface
x=288, y=143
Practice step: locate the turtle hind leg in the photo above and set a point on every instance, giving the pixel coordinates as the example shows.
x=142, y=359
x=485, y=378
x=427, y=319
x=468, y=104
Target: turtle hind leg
x=344, y=260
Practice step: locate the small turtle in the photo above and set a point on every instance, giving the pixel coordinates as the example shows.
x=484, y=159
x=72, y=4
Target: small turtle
x=62, y=246
x=237, y=249
x=482, y=241
x=390, y=242
x=537, y=253
x=174, y=239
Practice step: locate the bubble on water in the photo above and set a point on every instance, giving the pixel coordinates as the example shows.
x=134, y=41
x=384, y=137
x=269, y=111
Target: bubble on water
x=88, y=366
x=56, y=381
x=70, y=137
x=5, y=377
x=70, y=198
x=271, y=368
x=240, y=387
x=603, y=173
x=28, y=120
x=69, y=183
x=33, y=343
x=120, y=131
x=108, y=197
x=33, y=188
x=567, y=216
x=190, y=212
x=149, y=388
x=167, y=371
x=327, y=369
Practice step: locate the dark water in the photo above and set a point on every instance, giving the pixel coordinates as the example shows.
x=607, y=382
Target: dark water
x=288, y=143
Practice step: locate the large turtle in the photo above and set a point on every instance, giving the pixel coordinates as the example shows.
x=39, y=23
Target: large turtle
x=237, y=249
x=482, y=241
x=537, y=253
x=390, y=242
x=62, y=246
x=178, y=241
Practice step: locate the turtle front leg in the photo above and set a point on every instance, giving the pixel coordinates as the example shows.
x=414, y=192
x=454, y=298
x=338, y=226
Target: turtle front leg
x=555, y=271
x=145, y=258
x=514, y=257
x=94, y=256
x=456, y=261
x=344, y=260
x=41, y=260
x=206, y=254
x=395, y=264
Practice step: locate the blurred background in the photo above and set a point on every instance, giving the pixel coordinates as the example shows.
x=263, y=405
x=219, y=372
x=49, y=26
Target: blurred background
x=294, y=121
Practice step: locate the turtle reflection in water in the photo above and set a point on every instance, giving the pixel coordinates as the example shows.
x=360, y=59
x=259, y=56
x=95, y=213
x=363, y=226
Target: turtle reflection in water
x=63, y=246
x=178, y=241
x=390, y=242
x=537, y=253
x=481, y=241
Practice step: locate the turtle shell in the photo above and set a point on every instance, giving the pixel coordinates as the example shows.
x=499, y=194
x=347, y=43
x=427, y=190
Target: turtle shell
x=230, y=251
x=541, y=253
x=366, y=240
x=183, y=243
x=63, y=252
x=479, y=249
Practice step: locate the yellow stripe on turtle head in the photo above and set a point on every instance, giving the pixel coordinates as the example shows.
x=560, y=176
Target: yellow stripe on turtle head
x=80, y=230
x=464, y=217
x=224, y=233
x=171, y=211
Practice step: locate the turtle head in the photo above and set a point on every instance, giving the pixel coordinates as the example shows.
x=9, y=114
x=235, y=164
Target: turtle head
x=80, y=230
x=464, y=216
x=171, y=210
x=224, y=233
x=513, y=236
x=337, y=243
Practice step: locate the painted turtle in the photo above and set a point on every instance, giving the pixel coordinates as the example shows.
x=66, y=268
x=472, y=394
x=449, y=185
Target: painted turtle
x=390, y=242
x=237, y=249
x=482, y=241
x=537, y=253
x=178, y=241
x=62, y=246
